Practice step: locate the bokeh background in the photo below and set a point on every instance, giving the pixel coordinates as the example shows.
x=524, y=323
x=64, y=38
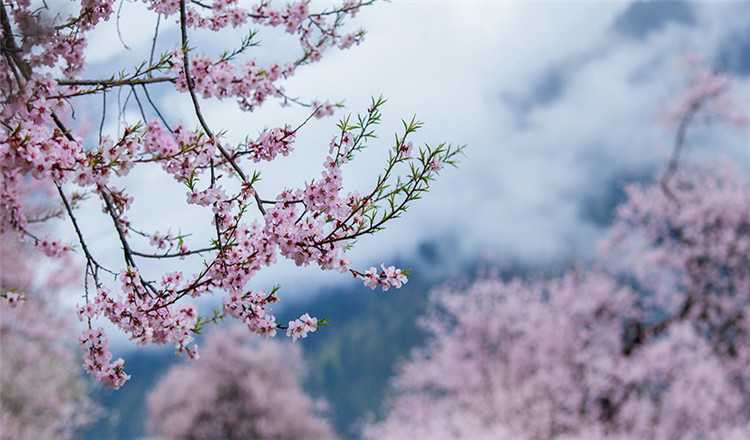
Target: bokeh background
x=560, y=104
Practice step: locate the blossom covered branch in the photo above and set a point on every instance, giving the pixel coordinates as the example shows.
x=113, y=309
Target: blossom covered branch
x=315, y=224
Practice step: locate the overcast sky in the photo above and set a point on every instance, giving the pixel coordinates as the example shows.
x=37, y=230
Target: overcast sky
x=557, y=102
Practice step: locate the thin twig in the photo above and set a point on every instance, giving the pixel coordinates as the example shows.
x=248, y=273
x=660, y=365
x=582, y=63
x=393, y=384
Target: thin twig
x=104, y=115
x=196, y=105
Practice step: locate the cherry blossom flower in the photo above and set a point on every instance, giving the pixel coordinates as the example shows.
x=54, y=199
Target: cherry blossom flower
x=44, y=148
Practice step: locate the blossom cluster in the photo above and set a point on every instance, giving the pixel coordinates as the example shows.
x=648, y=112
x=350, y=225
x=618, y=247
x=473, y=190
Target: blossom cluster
x=271, y=143
x=250, y=309
x=300, y=327
x=52, y=248
x=250, y=84
x=97, y=357
x=386, y=278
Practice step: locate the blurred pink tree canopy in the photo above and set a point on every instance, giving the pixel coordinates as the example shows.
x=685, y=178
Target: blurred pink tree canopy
x=240, y=388
x=42, y=394
x=652, y=342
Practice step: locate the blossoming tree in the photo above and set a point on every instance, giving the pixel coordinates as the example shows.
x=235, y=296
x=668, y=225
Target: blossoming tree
x=585, y=357
x=563, y=359
x=238, y=389
x=44, y=54
x=42, y=394
x=657, y=351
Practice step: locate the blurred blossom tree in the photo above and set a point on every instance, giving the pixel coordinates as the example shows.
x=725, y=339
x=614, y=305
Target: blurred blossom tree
x=653, y=343
x=40, y=141
x=42, y=394
x=559, y=359
x=239, y=389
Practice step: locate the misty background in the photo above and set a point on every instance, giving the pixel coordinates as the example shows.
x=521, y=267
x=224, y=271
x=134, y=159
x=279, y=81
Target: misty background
x=559, y=103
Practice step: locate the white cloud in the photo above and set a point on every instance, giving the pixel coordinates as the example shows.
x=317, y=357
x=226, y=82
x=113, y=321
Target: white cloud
x=463, y=67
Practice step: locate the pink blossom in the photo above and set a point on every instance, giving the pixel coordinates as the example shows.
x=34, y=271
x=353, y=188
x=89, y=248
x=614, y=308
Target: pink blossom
x=47, y=155
x=386, y=278
x=300, y=327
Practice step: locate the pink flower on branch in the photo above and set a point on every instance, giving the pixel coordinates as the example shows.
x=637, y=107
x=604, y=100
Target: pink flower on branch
x=314, y=224
x=300, y=327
